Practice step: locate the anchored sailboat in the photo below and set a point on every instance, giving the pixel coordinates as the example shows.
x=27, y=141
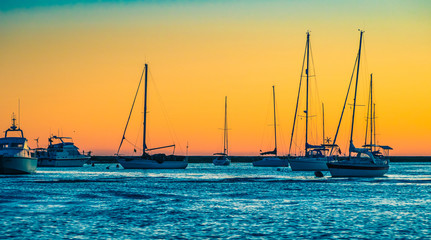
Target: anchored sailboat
x=222, y=158
x=273, y=161
x=314, y=158
x=147, y=161
x=362, y=162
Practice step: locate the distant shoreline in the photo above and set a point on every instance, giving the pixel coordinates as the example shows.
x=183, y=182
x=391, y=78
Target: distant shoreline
x=208, y=159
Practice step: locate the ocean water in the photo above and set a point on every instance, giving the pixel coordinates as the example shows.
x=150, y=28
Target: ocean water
x=205, y=201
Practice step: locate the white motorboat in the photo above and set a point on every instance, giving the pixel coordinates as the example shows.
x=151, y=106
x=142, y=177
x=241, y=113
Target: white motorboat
x=15, y=156
x=222, y=159
x=61, y=152
x=147, y=161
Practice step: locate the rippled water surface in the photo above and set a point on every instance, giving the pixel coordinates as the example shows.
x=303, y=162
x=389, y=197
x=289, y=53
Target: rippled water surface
x=206, y=201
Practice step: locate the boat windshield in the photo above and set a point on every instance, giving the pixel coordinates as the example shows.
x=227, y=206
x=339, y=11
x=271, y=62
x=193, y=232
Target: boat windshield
x=11, y=145
x=67, y=140
x=56, y=140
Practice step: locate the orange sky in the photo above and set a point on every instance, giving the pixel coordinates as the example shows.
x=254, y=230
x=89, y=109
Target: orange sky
x=75, y=68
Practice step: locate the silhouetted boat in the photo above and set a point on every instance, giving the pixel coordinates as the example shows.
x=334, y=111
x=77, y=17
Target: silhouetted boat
x=15, y=156
x=61, y=152
x=366, y=161
x=222, y=158
x=314, y=158
x=147, y=161
x=272, y=161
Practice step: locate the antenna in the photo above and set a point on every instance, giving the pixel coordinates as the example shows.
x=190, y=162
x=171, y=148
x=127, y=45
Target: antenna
x=19, y=113
x=13, y=122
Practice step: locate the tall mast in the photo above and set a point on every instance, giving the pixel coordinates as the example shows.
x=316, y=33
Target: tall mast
x=306, y=109
x=374, y=123
x=275, y=122
x=371, y=112
x=225, y=139
x=297, y=100
x=323, y=123
x=131, y=110
x=356, y=90
x=344, y=106
x=369, y=116
x=144, y=144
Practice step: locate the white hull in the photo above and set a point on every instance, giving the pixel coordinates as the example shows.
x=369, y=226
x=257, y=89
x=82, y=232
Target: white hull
x=221, y=162
x=355, y=170
x=62, y=162
x=17, y=165
x=271, y=162
x=308, y=164
x=140, y=163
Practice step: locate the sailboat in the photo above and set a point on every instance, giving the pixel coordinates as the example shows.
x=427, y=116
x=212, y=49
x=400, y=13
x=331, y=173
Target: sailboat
x=314, y=158
x=222, y=158
x=273, y=161
x=361, y=162
x=147, y=161
x=15, y=156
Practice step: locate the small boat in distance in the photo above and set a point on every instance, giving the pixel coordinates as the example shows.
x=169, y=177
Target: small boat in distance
x=15, y=156
x=222, y=158
x=366, y=161
x=147, y=161
x=314, y=158
x=61, y=152
x=273, y=161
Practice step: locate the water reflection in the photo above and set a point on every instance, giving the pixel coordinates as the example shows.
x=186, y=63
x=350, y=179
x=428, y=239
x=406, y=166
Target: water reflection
x=204, y=201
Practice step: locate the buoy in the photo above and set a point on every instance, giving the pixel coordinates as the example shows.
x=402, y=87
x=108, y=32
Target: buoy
x=318, y=174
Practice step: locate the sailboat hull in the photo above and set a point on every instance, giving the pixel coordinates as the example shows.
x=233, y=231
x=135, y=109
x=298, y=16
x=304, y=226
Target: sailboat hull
x=271, y=162
x=308, y=164
x=142, y=163
x=357, y=170
x=17, y=165
x=221, y=162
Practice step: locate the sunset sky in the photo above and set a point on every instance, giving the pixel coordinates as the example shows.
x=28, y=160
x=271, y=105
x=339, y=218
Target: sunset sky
x=75, y=67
